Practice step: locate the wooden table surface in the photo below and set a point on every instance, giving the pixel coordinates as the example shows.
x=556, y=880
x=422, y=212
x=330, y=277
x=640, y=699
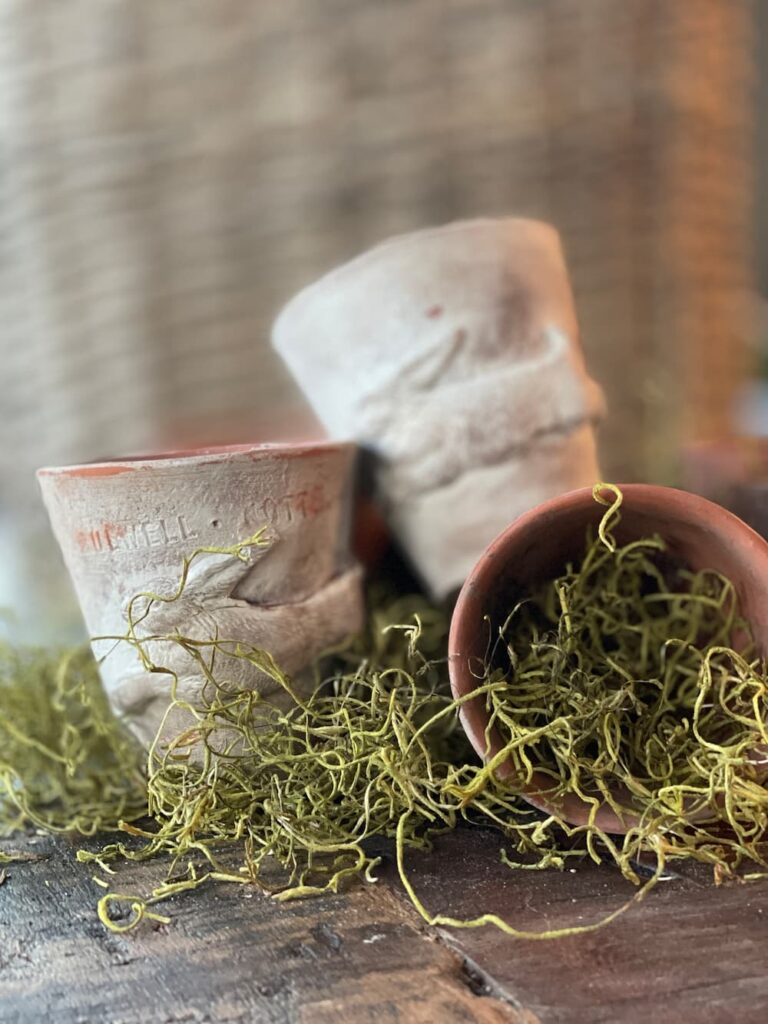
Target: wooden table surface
x=690, y=953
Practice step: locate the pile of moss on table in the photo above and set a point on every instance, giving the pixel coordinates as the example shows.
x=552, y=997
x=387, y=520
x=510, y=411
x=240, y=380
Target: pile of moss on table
x=616, y=679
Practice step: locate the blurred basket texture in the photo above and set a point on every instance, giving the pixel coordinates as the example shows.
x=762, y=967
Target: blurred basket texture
x=171, y=172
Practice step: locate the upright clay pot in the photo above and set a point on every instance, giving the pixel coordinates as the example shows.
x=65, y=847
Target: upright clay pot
x=537, y=546
x=453, y=356
x=125, y=526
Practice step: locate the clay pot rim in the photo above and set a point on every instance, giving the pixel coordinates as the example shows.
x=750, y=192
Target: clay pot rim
x=491, y=566
x=403, y=240
x=206, y=454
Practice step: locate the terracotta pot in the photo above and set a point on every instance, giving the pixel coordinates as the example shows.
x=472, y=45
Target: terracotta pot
x=536, y=547
x=124, y=526
x=452, y=355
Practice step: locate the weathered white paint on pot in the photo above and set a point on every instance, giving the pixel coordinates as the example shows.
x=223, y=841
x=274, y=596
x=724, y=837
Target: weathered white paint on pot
x=125, y=526
x=453, y=355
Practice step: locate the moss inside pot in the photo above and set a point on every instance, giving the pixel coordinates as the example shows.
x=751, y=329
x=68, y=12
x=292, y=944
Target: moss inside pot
x=629, y=688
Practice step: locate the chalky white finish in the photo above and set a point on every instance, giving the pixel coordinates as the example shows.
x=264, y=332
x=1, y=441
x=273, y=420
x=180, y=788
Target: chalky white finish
x=125, y=527
x=453, y=355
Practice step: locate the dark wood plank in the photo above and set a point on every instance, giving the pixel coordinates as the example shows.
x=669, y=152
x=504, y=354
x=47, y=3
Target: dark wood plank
x=229, y=956
x=690, y=953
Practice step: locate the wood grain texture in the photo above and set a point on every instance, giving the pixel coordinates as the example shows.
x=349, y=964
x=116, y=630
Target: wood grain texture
x=691, y=953
x=229, y=956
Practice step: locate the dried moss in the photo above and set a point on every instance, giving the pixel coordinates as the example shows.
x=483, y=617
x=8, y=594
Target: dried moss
x=66, y=764
x=614, y=673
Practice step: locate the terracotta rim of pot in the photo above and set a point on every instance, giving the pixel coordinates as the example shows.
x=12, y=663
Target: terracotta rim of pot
x=537, y=545
x=207, y=454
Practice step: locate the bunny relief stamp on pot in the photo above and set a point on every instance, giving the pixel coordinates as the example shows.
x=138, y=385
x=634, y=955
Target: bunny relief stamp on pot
x=453, y=356
x=125, y=527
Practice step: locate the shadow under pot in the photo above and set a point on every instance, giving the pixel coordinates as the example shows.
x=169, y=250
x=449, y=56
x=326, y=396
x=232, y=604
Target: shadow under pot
x=537, y=547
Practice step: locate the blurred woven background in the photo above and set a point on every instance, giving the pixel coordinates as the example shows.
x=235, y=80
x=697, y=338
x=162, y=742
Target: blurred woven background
x=171, y=172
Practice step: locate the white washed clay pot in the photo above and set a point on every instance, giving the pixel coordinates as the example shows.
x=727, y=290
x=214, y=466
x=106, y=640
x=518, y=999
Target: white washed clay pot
x=453, y=355
x=125, y=526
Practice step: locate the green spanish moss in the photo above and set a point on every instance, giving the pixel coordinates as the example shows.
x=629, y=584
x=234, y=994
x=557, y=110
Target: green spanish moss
x=374, y=753
x=615, y=680
x=66, y=764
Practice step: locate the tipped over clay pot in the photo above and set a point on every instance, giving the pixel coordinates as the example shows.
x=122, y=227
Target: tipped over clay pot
x=452, y=355
x=536, y=548
x=124, y=527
